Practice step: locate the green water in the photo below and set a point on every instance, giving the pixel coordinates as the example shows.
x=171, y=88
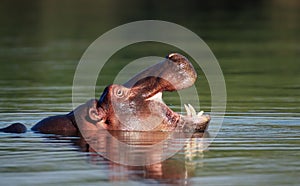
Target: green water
x=256, y=44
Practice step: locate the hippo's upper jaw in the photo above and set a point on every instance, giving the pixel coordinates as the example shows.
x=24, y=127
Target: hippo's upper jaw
x=137, y=105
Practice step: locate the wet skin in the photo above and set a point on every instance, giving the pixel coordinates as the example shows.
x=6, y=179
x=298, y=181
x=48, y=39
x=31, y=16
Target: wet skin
x=134, y=106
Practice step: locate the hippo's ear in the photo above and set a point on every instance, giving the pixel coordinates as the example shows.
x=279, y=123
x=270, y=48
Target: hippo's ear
x=94, y=113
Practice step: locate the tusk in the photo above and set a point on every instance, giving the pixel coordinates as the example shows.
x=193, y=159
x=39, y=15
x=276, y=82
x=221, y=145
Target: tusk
x=188, y=111
x=200, y=113
x=193, y=111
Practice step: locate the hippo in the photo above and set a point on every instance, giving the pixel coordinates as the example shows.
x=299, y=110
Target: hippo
x=136, y=105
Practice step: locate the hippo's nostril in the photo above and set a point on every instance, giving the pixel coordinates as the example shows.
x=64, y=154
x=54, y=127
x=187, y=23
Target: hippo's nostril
x=172, y=56
x=175, y=57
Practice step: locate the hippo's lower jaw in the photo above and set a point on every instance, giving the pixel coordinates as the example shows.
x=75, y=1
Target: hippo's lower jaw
x=172, y=121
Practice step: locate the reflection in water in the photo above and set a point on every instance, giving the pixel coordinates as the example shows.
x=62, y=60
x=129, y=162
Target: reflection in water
x=172, y=170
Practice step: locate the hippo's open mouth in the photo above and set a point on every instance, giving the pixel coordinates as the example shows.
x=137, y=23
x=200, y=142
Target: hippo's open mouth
x=137, y=105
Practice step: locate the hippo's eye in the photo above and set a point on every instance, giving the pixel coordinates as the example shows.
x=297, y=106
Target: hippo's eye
x=119, y=93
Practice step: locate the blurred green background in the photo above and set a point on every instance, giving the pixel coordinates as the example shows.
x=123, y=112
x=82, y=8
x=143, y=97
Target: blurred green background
x=255, y=42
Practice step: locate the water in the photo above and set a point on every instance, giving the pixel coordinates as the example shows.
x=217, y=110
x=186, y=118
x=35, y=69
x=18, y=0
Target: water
x=257, y=48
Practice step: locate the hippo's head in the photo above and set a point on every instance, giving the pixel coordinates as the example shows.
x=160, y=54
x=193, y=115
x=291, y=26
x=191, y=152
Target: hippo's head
x=137, y=105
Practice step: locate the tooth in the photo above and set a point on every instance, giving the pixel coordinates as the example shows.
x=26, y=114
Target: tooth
x=188, y=112
x=193, y=112
x=200, y=113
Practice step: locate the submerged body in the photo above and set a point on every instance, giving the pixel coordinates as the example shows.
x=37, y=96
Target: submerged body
x=134, y=106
